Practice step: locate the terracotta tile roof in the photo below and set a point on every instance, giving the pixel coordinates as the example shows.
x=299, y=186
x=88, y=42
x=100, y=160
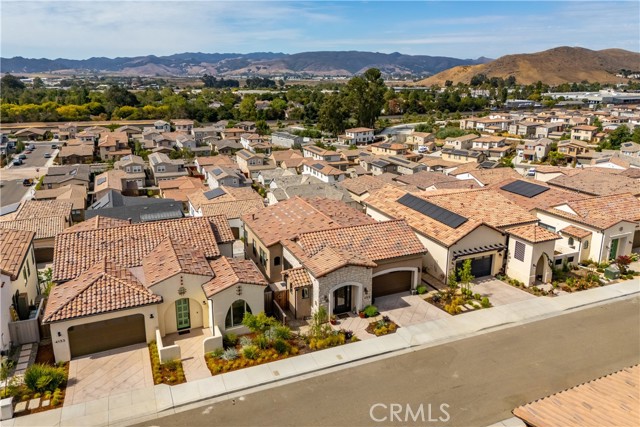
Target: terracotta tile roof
x=460, y=184
x=376, y=241
x=597, y=182
x=95, y=223
x=221, y=229
x=551, y=197
x=601, y=212
x=298, y=215
x=280, y=155
x=171, y=257
x=492, y=176
x=14, y=248
x=44, y=228
x=198, y=198
x=437, y=161
x=362, y=184
x=574, y=231
x=327, y=259
x=43, y=208
x=297, y=277
x=425, y=179
x=233, y=209
x=230, y=272
x=112, y=139
x=127, y=245
x=607, y=401
x=85, y=150
x=220, y=160
x=631, y=173
x=180, y=188
x=103, y=288
x=533, y=233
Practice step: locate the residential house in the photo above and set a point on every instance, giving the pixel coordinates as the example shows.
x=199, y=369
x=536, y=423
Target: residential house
x=252, y=163
x=156, y=285
x=357, y=136
x=232, y=133
x=531, y=247
x=247, y=126
x=162, y=167
x=226, y=146
x=19, y=280
x=180, y=188
x=323, y=171
x=201, y=133
x=202, y=163
x=546, y=130
x=117, y=180
x=162, y=126
x=534, y=150
x=318, y=153
x=264, y=233
x=114, y=145
x=228, y=176
x=525, y=129
x=462, y=156
x=486, y=177
x=630, y=149
x=311, y=188
x=131, y=131
x=285, y=139
x=388, y=148
x=75, y=154
x=345, y=269
x=86, y=137
x=183, y=125
x=46, y=218
x=59, y=176
x=576, y=150
x=186, y=141
x=583, y=132
x=454, y=226
x=415, y=140
x=277, y=186
x=113, y=204
x=265, y=177
x=32, y=134
x=598, y=228
x=464, y=142
x=76, y=194
x=361, y=187
x=596, y=182
x=292, y=157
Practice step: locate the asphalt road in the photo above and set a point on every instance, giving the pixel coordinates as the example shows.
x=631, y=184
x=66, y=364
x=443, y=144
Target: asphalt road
x=479, y=379
x=12, y=192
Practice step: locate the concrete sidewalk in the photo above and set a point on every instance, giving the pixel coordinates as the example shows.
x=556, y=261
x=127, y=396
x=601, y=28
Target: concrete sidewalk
x=161, y=400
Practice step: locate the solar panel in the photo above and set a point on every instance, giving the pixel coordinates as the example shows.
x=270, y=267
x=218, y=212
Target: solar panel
x=212, y=194
x=217, y=171
x=317, y=166
x=524, y=188
x=441, y=215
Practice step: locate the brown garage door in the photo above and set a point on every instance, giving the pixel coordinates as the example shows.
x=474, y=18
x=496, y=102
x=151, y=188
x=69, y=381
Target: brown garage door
x=106, y=335
x=391, y=283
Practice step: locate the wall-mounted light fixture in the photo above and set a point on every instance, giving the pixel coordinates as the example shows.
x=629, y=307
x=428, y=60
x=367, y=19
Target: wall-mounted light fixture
x=151, y=316
x=366, y=291
x=325, y=298
x=59, y=333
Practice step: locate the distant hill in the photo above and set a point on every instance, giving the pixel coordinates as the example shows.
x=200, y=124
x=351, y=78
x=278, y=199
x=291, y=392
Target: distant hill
x=553, y=66
x=341, y=63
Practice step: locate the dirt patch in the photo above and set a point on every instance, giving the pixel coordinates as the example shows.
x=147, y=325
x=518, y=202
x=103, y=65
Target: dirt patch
x=45, y=355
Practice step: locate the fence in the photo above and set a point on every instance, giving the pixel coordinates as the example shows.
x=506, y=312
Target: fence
x=27, y=331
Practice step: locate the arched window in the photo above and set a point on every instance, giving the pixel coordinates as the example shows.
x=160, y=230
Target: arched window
x=571, y=242
x=276, y=261
x=236, y=313
x=585, y=245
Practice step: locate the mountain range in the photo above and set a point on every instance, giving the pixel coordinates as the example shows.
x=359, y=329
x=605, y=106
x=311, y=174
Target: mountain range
x=554, y=66
x=340, y=63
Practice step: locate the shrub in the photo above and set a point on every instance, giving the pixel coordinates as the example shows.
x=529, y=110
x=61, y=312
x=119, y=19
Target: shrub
x=261, y=342
x=282, y=332
x=370, y=311
x=281, y=346
x=592, y=278
x=348, y=334
x=250, y=352
x=217, y=353
x=229, y=340
x=600, y=270
x=230, y=354
x=258, y=323
x=39, y=378
x=421, y=290
x=245, y=341
x=477, y=296
x=485, y=302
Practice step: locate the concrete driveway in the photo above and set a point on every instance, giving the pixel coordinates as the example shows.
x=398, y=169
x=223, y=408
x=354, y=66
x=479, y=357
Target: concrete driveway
x=116, y=371
x=498, y=292
x=406, y=309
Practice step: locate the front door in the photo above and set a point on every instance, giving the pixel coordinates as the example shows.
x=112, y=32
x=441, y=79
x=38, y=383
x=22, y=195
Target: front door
x=342, y=300
x=182, y=313
x=613, y=253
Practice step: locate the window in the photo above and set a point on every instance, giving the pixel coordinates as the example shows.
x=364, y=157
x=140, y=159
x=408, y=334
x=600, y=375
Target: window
x=547, y=226
x=28, y=269
x=572, y=242
x=276, y=261
x=570, y=259
x=263, y=258
x=558, y=261
x=585, y=245
x=161, y=168
x=305, y=293
x=24, y=275
x=519, y=251
x=236, y=313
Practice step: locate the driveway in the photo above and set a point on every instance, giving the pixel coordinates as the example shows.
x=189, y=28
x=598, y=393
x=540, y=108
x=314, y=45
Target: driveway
x=498, y=292
x=111, y=372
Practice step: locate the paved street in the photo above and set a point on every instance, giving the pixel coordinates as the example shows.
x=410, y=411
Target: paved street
x=481, y=379
x=12, y=192
x=33, y=167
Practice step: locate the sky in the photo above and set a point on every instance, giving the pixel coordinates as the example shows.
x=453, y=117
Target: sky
x=463, y=29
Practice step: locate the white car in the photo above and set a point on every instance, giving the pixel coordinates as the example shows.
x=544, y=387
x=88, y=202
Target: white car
x=422, y=149
x=531, y=172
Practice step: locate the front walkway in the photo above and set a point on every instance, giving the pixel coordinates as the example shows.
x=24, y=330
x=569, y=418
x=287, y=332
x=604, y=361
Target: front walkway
x=99, y=375
x=191, y=352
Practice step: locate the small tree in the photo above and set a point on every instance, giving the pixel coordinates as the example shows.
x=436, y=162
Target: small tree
x=465, y=275
x=623, y=262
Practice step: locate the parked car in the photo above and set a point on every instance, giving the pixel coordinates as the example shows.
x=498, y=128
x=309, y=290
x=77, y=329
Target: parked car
x=47, y=155
x=531, y=172
x=54, y=146
x=17, y=162
x=27, y=182
x=22, y=157
x=422, y=149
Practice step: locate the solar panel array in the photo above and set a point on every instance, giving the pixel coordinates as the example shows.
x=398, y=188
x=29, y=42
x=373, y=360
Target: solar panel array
x=436, y=212
x=217, y=171
x=212, y=194
x=524, y=188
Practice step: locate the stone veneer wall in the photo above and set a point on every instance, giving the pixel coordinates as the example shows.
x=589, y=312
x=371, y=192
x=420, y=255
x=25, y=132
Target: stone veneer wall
x=349, y=274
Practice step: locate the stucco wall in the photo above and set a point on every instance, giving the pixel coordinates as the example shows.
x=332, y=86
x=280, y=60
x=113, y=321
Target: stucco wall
x=221, y=302
x=169, y=291
x=525, y=271
x=61, y=348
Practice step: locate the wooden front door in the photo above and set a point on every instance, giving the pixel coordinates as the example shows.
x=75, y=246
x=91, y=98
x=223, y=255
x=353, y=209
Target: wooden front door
x=182, y=314
x=613, y=253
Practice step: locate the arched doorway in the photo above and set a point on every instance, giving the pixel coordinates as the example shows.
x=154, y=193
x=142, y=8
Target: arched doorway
x=345, y=297
x=540, y=270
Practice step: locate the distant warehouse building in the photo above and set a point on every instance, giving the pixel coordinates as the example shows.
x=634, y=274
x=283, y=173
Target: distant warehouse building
x=285, y=139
